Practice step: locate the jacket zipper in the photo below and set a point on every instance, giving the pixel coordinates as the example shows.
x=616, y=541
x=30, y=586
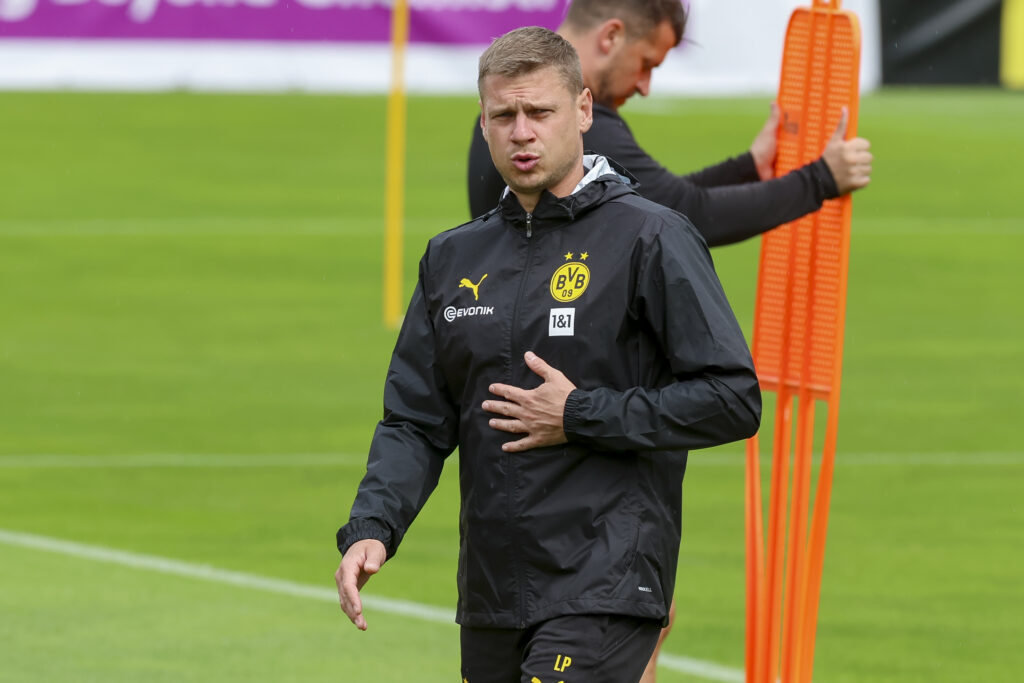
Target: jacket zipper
x=510, y=481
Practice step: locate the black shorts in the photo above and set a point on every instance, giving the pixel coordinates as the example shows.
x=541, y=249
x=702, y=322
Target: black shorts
x=589, y=648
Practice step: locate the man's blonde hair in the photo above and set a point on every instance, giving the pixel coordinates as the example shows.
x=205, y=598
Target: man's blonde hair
x=527, y=49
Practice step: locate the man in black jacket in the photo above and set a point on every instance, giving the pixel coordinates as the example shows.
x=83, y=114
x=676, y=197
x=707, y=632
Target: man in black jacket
x=571, y=460
x=620, y=42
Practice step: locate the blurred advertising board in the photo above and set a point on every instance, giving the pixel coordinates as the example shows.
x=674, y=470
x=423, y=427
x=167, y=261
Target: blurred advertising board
x=731, y=46
x=458, y=22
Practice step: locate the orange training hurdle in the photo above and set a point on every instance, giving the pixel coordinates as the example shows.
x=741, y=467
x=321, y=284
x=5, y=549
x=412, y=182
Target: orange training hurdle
x=797, y=347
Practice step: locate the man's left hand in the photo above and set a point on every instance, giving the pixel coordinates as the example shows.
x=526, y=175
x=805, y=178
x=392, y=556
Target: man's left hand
x=765, y=146
x=537, y=413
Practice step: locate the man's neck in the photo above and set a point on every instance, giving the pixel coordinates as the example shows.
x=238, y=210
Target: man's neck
x=563, y=188
x=528, y=201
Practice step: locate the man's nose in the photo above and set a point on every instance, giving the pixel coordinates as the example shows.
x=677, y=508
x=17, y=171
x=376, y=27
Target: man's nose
x=644, y=86
x=522, y=130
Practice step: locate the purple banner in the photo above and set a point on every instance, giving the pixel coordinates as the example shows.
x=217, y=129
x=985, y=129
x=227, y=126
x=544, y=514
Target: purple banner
x=431, y=21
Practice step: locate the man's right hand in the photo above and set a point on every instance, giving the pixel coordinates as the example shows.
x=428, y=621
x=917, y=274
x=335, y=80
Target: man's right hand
x=848, y=160
x=363, y=560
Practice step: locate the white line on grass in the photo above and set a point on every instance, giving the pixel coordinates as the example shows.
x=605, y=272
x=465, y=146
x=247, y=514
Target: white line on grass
x=950, y=459
x=185, y=225
x=55, y=460
x=701, y=669
x=990, y=226
x=706, y=670
x=207, y=573
x=171, y=226
x=255, y=460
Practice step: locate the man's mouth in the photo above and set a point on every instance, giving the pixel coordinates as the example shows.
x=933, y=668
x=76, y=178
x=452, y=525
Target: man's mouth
x=525, y=162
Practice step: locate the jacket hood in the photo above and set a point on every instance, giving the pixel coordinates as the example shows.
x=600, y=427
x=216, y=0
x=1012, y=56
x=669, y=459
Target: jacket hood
x=603, y=180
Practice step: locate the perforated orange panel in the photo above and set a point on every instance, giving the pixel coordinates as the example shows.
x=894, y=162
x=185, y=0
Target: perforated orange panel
x=801, y=287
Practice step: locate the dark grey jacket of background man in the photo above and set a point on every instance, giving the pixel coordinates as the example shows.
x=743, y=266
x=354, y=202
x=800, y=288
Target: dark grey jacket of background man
x=618, y=293
x=727, y=202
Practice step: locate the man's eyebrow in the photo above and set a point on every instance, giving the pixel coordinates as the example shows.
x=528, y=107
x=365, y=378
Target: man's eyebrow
x=499, y=109
x=527, y=107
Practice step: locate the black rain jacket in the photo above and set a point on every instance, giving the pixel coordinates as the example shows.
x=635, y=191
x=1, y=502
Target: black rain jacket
x=618, y=293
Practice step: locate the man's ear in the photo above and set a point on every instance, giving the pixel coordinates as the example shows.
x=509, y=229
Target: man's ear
x=585, y=110
x=483, y=121
x=610, y=35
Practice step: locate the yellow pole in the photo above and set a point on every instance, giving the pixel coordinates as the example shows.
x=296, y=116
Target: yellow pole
x=395, y=183
x=1012, y=51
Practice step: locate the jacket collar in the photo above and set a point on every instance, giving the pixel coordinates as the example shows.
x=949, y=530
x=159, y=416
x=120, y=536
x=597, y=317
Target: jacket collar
x=603, y=179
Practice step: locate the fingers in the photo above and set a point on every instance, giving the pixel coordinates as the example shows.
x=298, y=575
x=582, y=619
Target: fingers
x=507, y=392
x=510, y=407
x=510, y=426
x=506, y=408
x=537, y=364
x=844, y=119
x=371, y=567
x=858, y=160
x=362, y=560
x=849, y=161
x=859, y=146
x=524, y=444
x=765, y=146
x=347, y=577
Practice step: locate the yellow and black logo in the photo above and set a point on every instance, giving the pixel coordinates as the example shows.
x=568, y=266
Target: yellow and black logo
x=475, y=288
x=571, y=279
x=562, y=662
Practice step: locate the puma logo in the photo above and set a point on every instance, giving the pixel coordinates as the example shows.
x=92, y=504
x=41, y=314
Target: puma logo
x=466, y=283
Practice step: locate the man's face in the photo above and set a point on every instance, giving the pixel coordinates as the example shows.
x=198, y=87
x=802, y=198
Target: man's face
x=628, y=68
x=533, y=127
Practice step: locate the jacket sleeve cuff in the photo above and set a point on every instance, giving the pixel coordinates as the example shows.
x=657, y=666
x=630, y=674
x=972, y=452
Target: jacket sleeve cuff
x=571, y=413
x=748, y=168
x=361, y=530
x=826, y=184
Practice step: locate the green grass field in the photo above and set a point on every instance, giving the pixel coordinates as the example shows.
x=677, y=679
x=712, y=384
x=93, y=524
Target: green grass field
x=192, y=355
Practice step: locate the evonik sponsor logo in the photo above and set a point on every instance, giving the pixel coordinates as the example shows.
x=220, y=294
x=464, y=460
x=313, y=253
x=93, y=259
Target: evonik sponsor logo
x=451, y=313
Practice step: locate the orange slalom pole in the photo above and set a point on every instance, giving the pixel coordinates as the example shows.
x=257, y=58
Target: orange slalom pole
x=771, y=599
x=823, y=497
x=795, y=560
x=816, y=551
x=794, y=614
x=755, y=548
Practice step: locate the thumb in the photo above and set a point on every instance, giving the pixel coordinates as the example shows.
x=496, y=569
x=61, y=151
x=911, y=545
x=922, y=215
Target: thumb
x=773, y=118
x=537, y=364
x=372, y=563
x=844, y=118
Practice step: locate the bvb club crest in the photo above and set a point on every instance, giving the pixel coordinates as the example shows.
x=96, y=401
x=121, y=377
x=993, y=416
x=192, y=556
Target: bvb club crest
x=571, y=279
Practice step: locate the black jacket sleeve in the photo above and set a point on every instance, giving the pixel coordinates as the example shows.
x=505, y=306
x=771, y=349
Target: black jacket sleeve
x=724, y=212
x=715, y=397
x=733, y=171
x=419, y=430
